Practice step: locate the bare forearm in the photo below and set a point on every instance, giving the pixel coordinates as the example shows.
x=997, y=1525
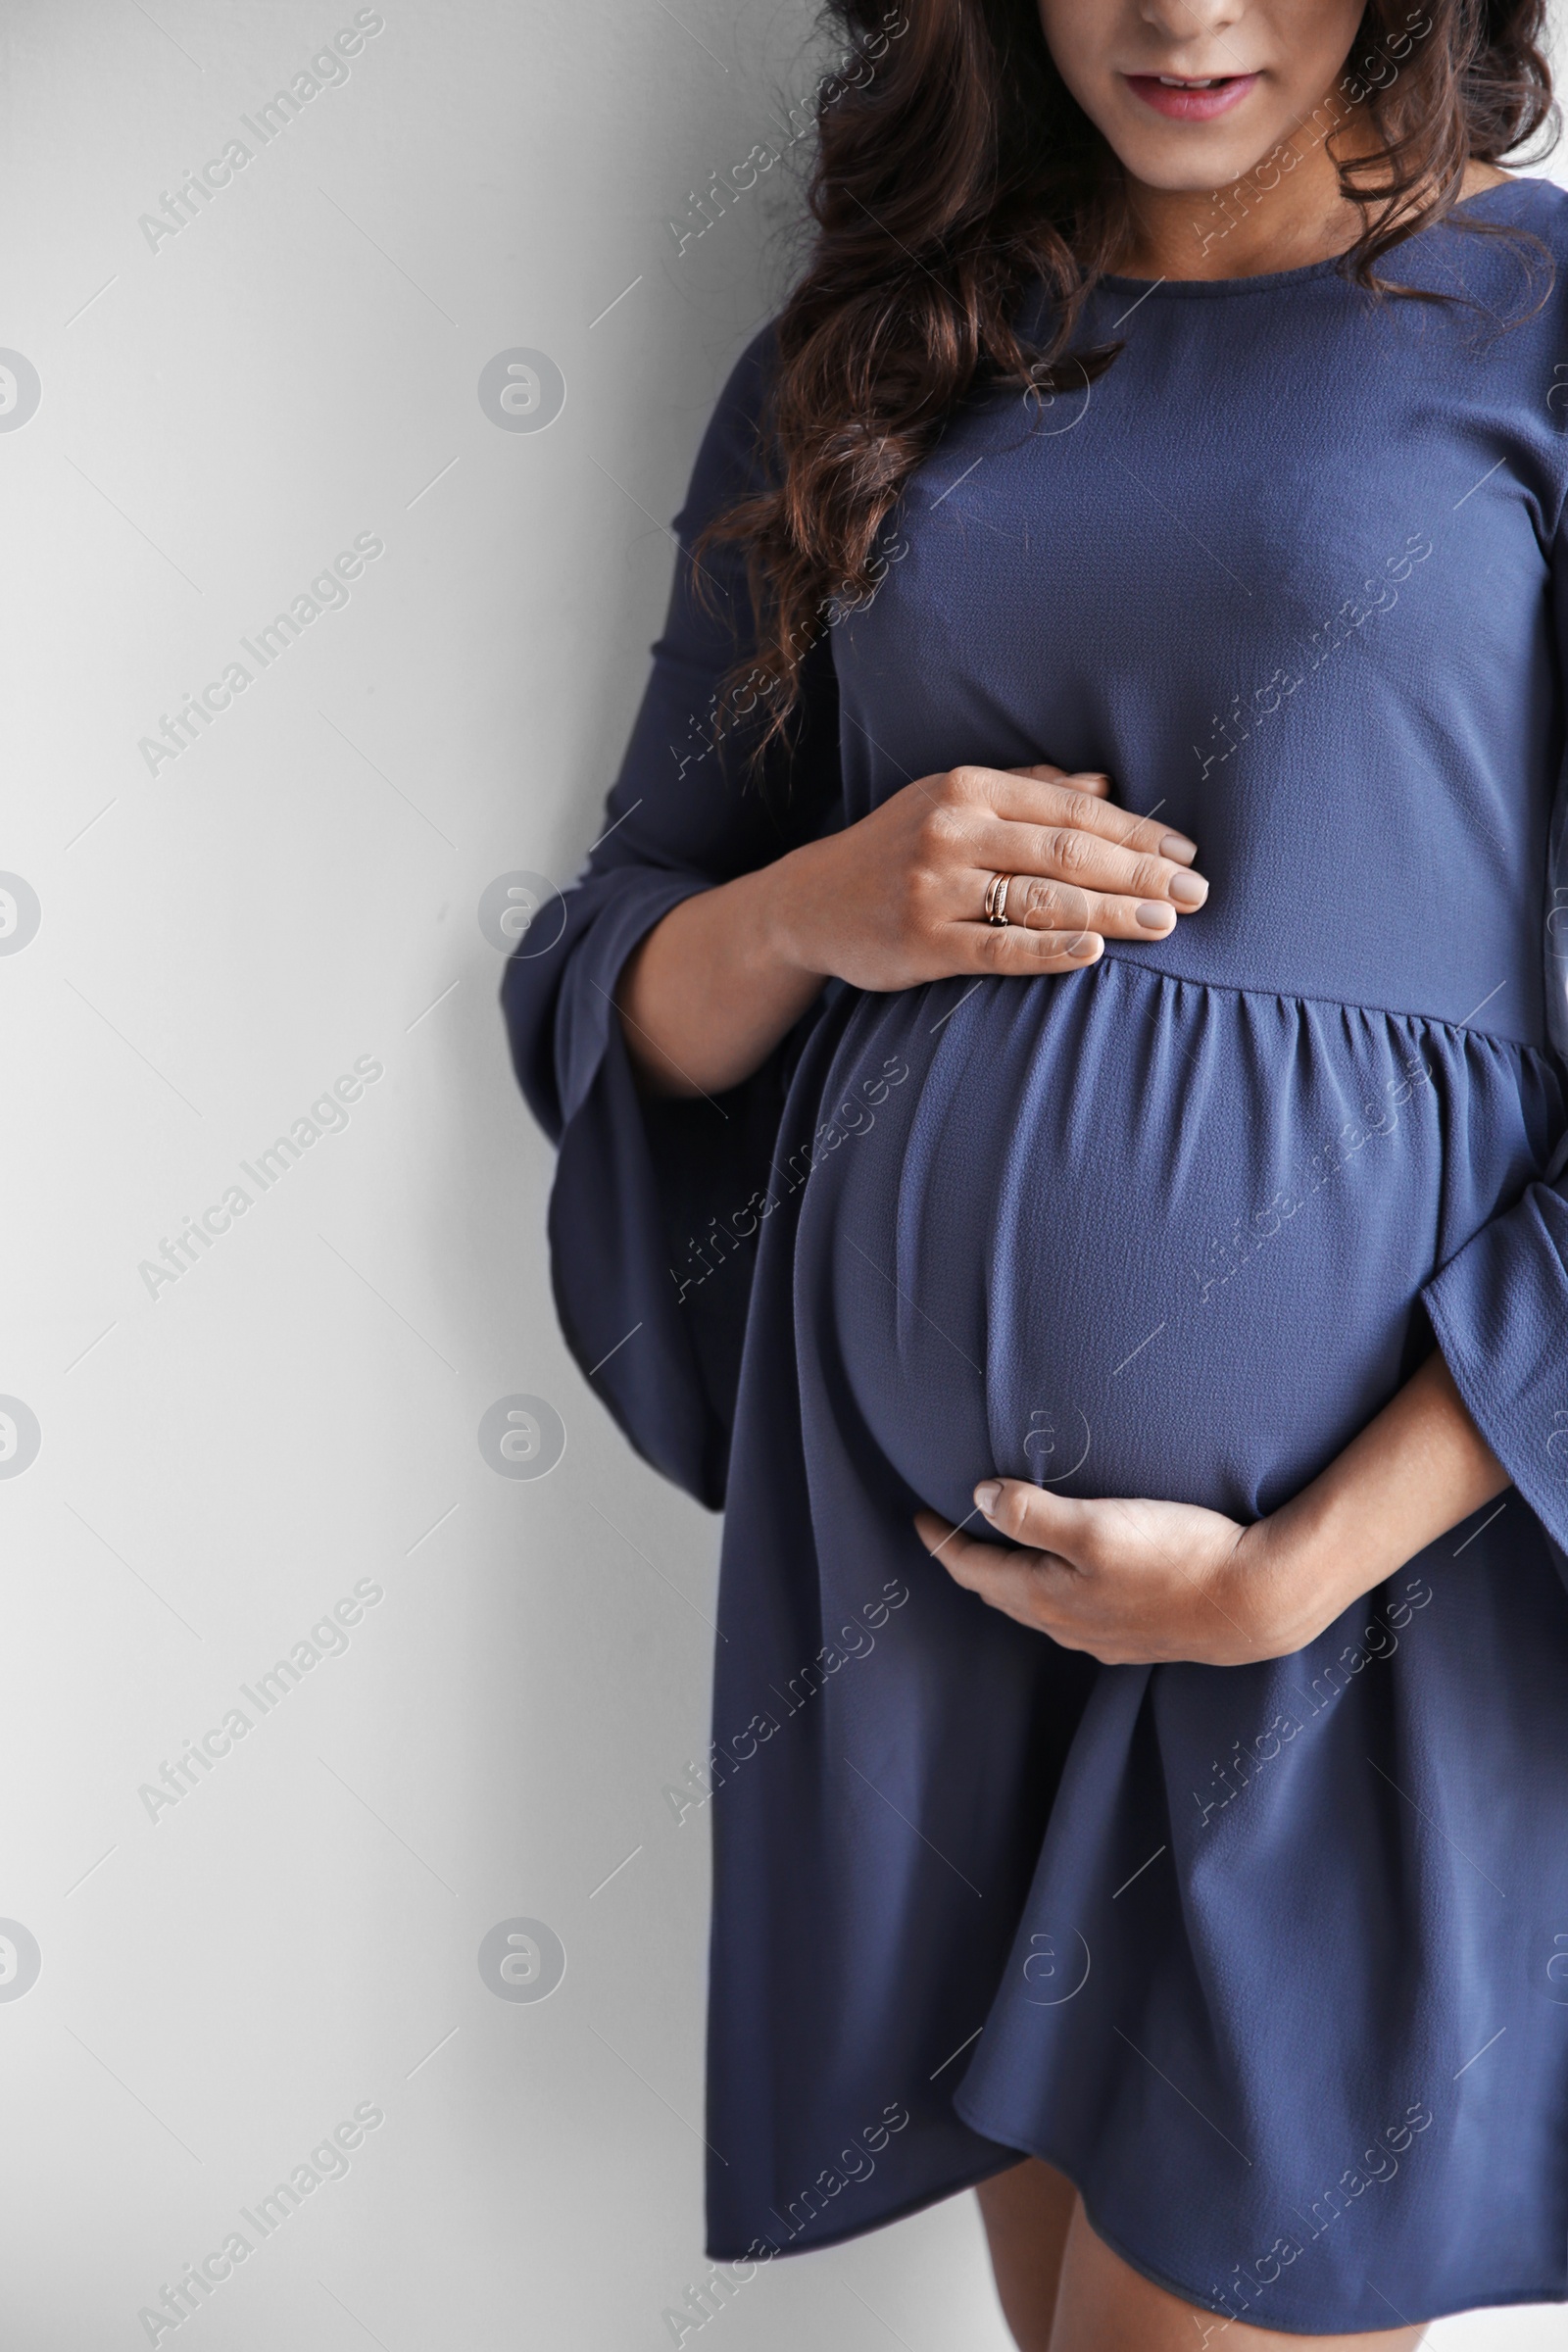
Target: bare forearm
x=714, y=986
x=1417, y=1469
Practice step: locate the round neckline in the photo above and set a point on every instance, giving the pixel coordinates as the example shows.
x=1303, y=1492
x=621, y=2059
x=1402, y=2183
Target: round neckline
x=1271, y=280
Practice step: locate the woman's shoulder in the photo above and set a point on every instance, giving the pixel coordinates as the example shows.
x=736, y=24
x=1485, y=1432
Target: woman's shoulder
x=1527, y=197
x=734, y=457
x=1518, y=276
x=1524, y=202
x=1500, y=255
x=1520, y=268
x=742, y=404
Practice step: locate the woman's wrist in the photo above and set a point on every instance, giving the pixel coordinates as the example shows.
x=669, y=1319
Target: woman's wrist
x=1419, y=1467
x=792, y=892
x=1301, y=1568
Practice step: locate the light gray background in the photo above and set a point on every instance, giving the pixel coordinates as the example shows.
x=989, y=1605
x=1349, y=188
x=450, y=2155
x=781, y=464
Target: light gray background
x=220, y=1463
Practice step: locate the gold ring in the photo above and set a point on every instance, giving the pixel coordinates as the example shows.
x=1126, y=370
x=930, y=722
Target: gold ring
x=996, y=899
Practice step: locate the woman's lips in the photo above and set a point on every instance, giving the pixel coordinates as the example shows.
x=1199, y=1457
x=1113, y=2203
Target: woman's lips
x=1190, y=101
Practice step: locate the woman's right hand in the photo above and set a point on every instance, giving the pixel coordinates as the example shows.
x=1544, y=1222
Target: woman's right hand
x=899, y=898
x=894, y=900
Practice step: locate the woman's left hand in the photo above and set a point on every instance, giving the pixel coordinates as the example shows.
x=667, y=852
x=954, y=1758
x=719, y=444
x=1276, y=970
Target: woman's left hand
x=1141, y=1582
x=1134, y=1582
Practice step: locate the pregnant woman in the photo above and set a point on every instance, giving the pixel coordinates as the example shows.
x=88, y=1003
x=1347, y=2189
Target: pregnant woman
x=1056, y=1059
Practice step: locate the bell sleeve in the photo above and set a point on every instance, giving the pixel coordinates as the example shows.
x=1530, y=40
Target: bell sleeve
x=657, y=1201
x=1500, y=1307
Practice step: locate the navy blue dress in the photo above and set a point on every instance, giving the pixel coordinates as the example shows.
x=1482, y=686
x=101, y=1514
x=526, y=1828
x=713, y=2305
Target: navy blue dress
x=1272, y=1960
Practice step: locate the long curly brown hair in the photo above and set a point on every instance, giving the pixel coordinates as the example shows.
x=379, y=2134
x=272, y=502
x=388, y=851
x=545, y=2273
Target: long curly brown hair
x=954, y=171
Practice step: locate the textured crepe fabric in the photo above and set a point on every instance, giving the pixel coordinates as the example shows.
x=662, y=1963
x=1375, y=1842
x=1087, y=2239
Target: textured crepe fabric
x=1272, y=1960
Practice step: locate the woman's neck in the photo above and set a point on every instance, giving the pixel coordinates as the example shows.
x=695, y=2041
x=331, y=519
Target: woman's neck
x=1284, y=213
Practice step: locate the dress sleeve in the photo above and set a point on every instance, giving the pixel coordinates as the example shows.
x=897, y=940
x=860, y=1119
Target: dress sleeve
x=1500, y=1307
x=651, y=1217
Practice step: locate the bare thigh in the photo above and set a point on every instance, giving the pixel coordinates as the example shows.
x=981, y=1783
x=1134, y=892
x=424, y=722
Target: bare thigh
x=1104, y=2306
x=1026, y=2213
x=1062, y=2289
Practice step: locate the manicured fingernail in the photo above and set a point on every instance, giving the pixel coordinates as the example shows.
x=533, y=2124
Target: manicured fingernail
x=1155, y=917
x=1188, y=890
x=987, y=1495
x=1177, y=846
x=1085, y=947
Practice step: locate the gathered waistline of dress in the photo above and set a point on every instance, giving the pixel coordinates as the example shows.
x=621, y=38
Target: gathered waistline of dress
x=1117, y=956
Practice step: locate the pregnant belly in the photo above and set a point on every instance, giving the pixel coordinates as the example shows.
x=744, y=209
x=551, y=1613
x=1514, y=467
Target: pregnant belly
x=1132, y=1235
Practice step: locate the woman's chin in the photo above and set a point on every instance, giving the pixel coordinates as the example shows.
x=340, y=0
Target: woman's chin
x=1191, y=156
